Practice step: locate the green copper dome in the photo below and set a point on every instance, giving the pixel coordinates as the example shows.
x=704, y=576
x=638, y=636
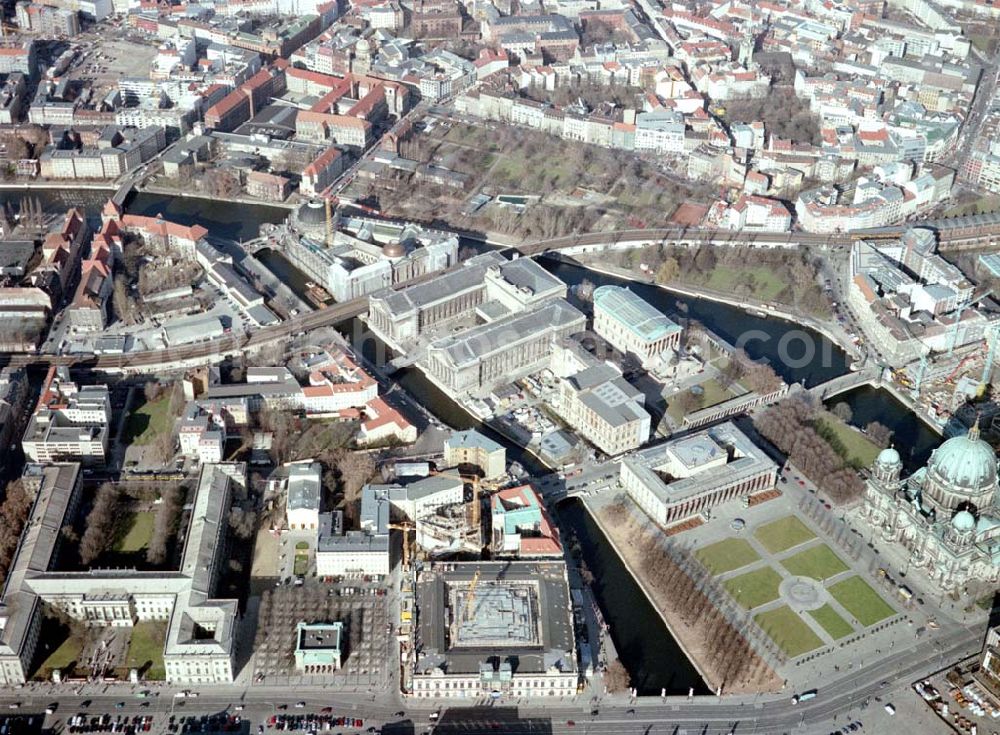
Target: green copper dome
x=888, y=456
x=964, y=463
x=963, y=521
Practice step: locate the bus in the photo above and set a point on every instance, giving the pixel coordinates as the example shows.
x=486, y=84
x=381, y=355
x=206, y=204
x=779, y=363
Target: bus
x=804, y=697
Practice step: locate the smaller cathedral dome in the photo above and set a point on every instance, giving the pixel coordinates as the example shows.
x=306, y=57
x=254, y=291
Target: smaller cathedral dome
x=963, y=521
x=312, y=212
x=888, y=456
x=393, y=250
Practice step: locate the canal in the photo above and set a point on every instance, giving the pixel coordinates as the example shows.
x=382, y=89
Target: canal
x=797, y=354
x=912, y=438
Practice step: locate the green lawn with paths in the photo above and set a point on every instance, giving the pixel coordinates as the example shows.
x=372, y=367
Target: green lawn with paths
x=755, y=588
x=828, y=619
x=818, y=562
x=860, y=600
x=791, y=634
x=726, y=555
x=783, y=534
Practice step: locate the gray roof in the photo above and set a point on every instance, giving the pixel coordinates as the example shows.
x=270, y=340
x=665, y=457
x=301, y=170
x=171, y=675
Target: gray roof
x=485, y=339
x=472, y=439
x=548, y=583
x=526, y=273
x=445, y=286
x=304, y=486
x=425, y=487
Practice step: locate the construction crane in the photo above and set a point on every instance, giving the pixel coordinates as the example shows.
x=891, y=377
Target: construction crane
x=920, y=373
x=329, y=219
x=992, y=335
x=467, y=611
x=405, y=527
x=967, y=303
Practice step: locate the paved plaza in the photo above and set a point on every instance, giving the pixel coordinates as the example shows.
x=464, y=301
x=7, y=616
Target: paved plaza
x=365, y=618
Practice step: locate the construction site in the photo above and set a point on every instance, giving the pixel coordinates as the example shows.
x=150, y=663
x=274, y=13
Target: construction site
x=942, y=383
x=494, y=629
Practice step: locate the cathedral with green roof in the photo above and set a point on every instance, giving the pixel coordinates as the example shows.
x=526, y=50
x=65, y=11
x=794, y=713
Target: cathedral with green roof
x=946, y=514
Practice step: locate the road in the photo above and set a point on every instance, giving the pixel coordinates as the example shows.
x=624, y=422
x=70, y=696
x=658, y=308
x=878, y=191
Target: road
x=772, y=714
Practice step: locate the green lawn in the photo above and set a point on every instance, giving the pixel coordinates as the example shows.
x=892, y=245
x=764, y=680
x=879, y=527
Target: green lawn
x=818, y=562
x=301, y=565
x=861, y=601
x=835, y=626
x=712, y=394
x=856, y=448
x=783, y=533
x=148, y=421
x=983, y=204
x=766, y=284
x=788, y=631
x=726, y=555
x=755, y=588
x=145, y=650
x=140, y=531
x=65, y=656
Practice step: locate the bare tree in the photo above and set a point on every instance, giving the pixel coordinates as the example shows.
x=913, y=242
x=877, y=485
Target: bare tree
x=843, y=412
x=616, y=677
x=242, y=522
x=879, y=433
x=14, y=513
x=164, y=525
x=100, y=524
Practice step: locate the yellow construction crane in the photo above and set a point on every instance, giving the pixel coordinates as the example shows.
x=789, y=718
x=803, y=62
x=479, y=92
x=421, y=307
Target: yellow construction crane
x=405, y=527
x=471, y=598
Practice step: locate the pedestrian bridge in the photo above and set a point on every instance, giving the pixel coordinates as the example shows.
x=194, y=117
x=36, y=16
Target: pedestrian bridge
x=844, y=383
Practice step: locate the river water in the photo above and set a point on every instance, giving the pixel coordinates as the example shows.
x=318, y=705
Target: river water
x=798, y=355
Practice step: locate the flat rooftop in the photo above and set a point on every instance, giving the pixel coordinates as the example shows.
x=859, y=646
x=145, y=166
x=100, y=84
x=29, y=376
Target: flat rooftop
x=521, y=612
x=320, y=637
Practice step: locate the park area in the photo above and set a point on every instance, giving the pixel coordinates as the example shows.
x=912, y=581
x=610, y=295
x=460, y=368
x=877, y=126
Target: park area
x=768, y=573
x=727, y=555
x=849, y=442
x=788, y=631
x=860, y=600
x=783, y=534
x=582, y=187
x=60, y=646
x=147, y=421
x=818, y=562
x=755, y=588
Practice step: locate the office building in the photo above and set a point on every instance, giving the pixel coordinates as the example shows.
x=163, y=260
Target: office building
x=494, y=629
x=70, y=422
x=520, y=525
x=470, y=448
x=200, y=628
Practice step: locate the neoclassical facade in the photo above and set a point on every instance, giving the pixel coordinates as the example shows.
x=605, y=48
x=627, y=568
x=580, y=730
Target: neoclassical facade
x=945, y=514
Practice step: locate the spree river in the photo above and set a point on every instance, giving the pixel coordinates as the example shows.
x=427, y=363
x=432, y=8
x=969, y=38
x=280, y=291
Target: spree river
x=798, y=355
